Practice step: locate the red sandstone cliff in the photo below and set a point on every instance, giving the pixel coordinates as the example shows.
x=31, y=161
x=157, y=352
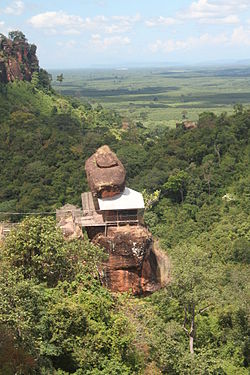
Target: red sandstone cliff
x=132, y=264
x=18, y=58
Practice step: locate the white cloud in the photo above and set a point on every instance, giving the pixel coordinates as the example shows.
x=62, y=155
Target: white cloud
x=68, y=44
x=112, y=25
x=219, y=12
x=63, y=23
x=162, y=21
x=95, y=23
x=103, y=43
x=122, y=24
x=57, y=22
x=15, y=8
x=233, y=19
x=171, y=45
x=215, y=11
x=241, y=36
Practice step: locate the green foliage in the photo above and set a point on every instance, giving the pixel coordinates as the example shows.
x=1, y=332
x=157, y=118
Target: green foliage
x=150, y=198
x=177, y=183
x=44, y=143
x=54, y=314
x=16, y=35
x=37, y=249
x=59, y=78
x=53, y=310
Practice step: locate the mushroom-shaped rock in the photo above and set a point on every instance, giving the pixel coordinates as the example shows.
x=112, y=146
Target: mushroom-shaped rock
x=105, y=173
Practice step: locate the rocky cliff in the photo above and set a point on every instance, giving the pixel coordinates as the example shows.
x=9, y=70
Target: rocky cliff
x=18, y=58
x=132, y=264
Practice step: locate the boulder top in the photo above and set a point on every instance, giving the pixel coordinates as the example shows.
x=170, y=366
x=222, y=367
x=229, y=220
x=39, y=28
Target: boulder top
x=106, y=174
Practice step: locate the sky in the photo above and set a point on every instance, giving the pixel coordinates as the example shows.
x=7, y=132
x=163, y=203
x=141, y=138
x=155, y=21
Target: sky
x=120, y=33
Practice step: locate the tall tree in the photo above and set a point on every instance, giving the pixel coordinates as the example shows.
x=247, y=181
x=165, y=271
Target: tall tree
x=194, y=285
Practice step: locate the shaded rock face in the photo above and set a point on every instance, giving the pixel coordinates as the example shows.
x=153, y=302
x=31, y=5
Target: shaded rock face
x=132, y=264
x=18, y=60
x=65, y=221
x=105, y=173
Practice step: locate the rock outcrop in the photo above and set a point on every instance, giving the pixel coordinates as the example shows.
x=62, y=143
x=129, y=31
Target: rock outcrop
x=18, y=58
x=65, y=218
x=187, y=125
x=132, y=264
x=105, y=173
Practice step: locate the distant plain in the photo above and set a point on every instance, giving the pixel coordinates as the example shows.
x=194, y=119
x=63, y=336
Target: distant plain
x=157, y=96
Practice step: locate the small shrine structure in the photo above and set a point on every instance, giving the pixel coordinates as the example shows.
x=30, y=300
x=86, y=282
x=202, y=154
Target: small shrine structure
x=110, y=202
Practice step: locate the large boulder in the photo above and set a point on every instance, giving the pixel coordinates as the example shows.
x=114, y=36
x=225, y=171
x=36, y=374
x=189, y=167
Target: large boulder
x=105, y=173
x=132, y=264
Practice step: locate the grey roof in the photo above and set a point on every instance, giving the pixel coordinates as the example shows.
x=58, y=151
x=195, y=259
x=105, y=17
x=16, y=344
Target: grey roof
x=129, y=199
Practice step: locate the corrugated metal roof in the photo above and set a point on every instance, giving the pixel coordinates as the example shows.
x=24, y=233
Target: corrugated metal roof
x=87, y=202
x=128, y=200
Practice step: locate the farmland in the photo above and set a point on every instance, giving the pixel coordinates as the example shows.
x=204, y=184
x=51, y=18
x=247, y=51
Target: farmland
x=158, y=96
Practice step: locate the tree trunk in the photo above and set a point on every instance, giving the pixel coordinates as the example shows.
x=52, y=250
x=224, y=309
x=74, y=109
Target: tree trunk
x=182, y=195
x=191, y=344
x=192, y=332
x=209, y=189
x=217, y=151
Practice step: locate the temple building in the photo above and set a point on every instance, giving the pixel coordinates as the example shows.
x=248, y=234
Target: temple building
x=109, y=203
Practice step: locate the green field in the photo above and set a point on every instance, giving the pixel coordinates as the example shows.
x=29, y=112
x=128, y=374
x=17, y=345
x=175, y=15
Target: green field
x=158, y=97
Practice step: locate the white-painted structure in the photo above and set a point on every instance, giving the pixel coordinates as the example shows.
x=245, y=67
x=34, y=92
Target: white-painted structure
x=129, y=199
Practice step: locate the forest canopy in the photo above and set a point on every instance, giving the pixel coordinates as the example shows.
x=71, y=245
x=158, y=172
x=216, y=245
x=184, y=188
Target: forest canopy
x=55, y=317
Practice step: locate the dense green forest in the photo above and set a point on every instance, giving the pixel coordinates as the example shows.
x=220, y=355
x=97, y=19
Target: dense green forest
x=55, y=317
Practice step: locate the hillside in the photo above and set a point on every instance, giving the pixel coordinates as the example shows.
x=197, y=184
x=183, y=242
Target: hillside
x=55, y=316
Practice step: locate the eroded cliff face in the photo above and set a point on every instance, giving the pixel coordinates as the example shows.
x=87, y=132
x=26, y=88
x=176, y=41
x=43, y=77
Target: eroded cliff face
x=132, y=265
x=18, y=59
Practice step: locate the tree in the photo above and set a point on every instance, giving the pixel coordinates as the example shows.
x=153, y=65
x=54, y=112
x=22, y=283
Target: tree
x=44, y=79
x=38, y=249
x=35, y=80
x=60, y=78
x=177, y=183
x=238, y=109
x=17, y=35
x=207, y=168
x=150, y=198
x=184, y=114
x=195, y=286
